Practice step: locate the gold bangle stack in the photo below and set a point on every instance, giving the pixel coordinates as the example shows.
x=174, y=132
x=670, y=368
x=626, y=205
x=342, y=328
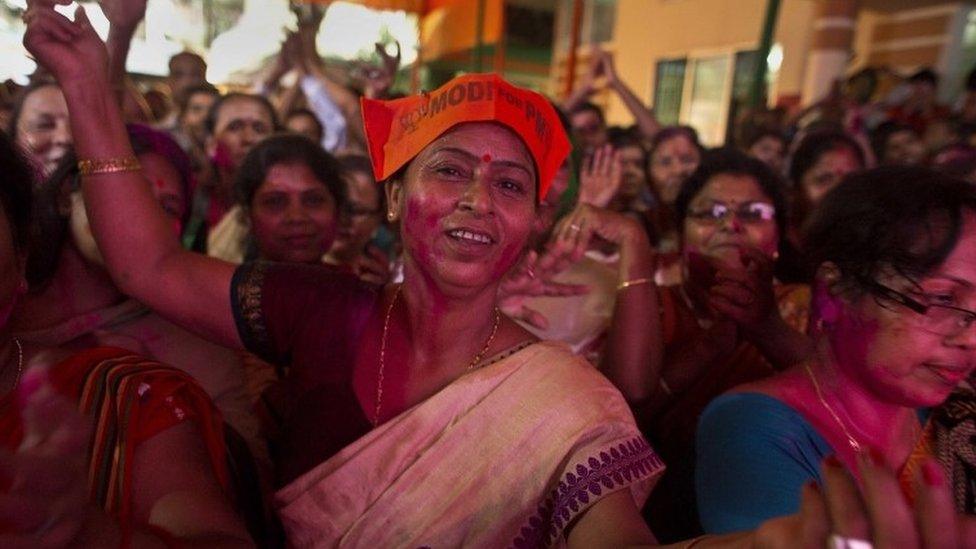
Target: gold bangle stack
x=635, y=282
x=108, y=165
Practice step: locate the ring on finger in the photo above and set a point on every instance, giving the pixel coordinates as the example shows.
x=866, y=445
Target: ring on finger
x=841, y=542
x=575, y=228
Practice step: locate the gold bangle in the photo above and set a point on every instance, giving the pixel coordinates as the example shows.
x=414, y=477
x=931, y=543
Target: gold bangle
x=635, y=282
x=109, y=165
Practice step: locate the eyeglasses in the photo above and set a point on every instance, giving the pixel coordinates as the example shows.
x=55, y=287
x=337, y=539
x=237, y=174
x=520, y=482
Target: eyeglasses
x=750, y=212
x=944, y=320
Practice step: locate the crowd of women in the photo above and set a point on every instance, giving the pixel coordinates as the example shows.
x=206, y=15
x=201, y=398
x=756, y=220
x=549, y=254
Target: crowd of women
x=472, y=317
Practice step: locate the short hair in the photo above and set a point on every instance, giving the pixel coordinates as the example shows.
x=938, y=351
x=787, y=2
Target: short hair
x=755, y=136
x=187, y=55
x=729, y=161
x=816, y=144
x=621, y=139
x=287, y=149
x=306, y=112
x=586, y=106
x=211, y=121
x=924, y=76
x=884, y=132
x=183, y=102
x=15, y=192
x=903, y=218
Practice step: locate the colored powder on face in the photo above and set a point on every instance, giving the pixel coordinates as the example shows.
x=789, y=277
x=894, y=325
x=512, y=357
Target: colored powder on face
x=221, y=157
x=486, y=158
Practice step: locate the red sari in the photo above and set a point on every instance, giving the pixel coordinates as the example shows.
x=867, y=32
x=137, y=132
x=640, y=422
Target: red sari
x=130, y=399
x=672, y=509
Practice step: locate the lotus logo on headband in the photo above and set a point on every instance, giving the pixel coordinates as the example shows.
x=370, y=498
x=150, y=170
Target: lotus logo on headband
x=398, y=130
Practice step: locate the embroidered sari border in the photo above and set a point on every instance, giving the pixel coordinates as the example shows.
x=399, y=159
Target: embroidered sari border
x=246, y=294
x=608, y=470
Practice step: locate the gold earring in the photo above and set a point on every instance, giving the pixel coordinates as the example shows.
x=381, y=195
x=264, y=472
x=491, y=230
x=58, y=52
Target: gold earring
x=390, y=216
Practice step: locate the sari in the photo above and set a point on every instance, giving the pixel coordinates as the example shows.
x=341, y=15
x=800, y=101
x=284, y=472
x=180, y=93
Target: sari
x=755, y=452
x=130, y=400
x=745, y=364
x=130, y=325
x=949, y=435
x=508, y=455
x=671, y=510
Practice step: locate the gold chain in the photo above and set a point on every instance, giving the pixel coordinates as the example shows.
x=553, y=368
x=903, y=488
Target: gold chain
x=383, y=338
x=816, y=387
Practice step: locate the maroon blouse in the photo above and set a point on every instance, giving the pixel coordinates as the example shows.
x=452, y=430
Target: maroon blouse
x=306, y=319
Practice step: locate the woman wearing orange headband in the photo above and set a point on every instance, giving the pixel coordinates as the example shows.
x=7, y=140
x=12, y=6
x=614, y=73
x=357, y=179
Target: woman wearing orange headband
x=419, y=415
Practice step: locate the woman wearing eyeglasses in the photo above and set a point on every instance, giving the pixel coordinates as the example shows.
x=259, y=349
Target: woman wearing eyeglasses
x=725, y=324
x=893, y=300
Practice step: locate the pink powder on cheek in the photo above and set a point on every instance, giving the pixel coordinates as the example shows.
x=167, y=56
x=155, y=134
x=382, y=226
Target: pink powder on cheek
x=510, y=254
x=414, y=221
x=221, y=157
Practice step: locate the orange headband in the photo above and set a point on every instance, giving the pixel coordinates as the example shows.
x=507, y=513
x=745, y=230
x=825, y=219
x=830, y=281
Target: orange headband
x=396, y=131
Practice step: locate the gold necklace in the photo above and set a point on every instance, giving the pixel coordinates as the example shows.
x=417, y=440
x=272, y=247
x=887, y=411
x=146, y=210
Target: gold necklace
x=386, y=327
x=855, y=445
x=20, y=364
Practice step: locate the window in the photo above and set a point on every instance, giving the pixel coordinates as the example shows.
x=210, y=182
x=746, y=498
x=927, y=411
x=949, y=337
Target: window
x=707, y=92
x=668, y=87
x=706, y=107
x=598, y=20
x=596, y=23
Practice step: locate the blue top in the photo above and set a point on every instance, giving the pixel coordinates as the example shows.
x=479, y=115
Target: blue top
x=754, y=454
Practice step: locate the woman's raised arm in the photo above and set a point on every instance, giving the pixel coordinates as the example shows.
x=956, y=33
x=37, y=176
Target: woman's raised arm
x=139, y=245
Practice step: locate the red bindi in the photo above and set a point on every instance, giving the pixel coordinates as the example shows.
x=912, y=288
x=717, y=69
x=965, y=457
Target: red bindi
x=486, y=158
x=160, y=183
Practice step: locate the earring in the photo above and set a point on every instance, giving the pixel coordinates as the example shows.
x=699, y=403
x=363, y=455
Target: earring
x=775, y=255
x=390, y=216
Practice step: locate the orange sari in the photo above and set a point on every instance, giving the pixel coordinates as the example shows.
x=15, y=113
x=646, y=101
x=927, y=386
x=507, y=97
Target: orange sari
x=130, y=399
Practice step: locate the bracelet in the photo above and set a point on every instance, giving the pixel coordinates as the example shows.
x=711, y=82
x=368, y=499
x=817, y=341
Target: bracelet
x=635, y=282
x=109, y=165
